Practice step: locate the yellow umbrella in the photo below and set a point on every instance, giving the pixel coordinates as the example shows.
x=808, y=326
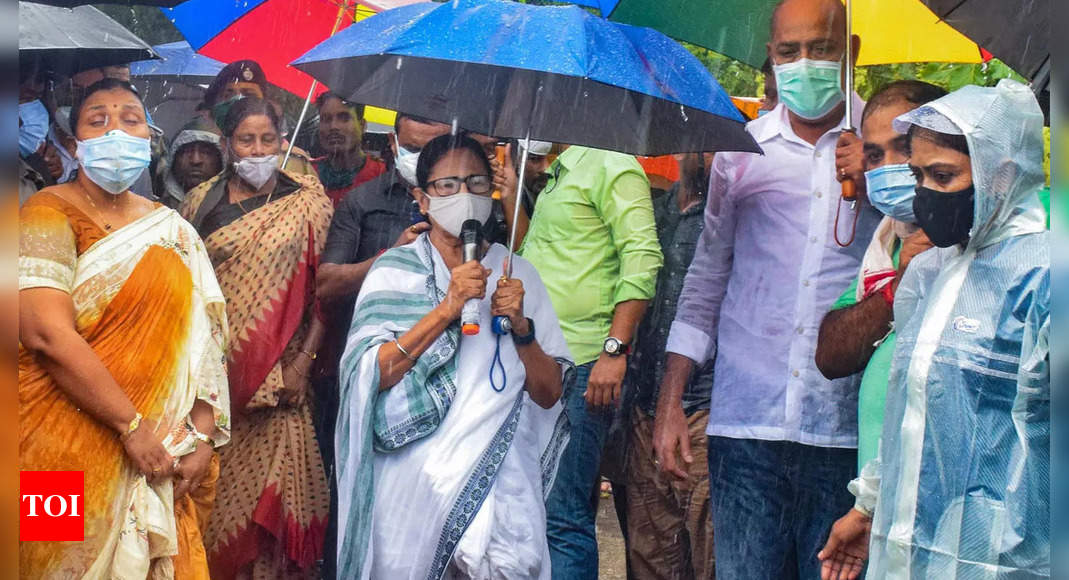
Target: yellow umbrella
x=895, y=31
x=891, y=31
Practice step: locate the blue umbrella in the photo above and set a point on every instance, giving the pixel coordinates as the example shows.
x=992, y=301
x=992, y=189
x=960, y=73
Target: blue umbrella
x=553, y=73
x=604, y=6
x=179, y=61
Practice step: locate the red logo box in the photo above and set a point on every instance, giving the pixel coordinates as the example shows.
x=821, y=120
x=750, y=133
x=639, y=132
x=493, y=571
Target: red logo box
x=51, y=506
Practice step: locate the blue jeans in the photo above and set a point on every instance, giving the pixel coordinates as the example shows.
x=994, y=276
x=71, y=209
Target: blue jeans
x=773, y=504
x=571, y=507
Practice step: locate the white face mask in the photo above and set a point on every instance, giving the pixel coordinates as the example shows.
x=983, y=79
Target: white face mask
x=114, y=160
x=405, y=161
x=256, y=171
x=452, y=211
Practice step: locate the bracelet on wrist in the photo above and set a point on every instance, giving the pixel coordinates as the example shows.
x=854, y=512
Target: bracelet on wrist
x=404, y=351
x=131, y=427
x=311, y=355
x=200, y=437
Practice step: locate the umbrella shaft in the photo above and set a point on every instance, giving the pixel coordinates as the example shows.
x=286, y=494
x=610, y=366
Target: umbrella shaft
x=518, y=203
x=312, y=90
x=849, y=65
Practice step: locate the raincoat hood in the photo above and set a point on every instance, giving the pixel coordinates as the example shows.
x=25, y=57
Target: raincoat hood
x=1003, y=126
x=965, y=450
x=173, y=190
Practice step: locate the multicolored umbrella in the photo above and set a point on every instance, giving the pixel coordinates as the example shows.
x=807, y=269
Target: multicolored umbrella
x=271, y=32
x=891, y=31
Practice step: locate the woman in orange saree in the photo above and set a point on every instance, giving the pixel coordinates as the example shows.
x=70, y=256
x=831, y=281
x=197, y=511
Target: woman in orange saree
x=264, y=230
x=122, y=330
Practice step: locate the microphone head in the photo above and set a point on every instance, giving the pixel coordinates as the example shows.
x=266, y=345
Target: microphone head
x=471, y=232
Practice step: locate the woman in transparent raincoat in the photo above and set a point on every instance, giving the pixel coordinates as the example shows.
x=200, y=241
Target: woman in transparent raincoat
x=961, y=485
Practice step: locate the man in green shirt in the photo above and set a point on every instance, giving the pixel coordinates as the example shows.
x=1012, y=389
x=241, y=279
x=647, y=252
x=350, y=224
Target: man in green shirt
x=857, y=334
x=594, y=242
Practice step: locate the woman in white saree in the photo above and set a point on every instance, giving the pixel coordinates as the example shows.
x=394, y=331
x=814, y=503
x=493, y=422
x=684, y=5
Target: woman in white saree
x=442, y=468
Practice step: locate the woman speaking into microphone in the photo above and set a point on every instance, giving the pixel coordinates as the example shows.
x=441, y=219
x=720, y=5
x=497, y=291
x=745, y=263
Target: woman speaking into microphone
x=447, y=442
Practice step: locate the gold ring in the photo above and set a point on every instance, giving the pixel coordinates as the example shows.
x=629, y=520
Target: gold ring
x=412, y=228
x=155, y=470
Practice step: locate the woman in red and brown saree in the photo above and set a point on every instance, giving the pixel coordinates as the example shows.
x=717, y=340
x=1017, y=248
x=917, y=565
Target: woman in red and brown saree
x=264, y=230
x=122, y=330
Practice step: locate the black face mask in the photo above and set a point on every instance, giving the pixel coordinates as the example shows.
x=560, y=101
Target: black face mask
x=946, y=217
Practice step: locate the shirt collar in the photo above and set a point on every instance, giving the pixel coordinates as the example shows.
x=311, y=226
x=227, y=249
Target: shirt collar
x=777, y=122
x=571, y=156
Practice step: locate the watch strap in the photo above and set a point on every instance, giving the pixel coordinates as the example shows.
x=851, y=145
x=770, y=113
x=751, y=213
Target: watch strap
x=527, y=338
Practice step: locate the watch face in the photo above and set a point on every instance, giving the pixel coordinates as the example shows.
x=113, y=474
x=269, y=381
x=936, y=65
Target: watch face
x=612, y=346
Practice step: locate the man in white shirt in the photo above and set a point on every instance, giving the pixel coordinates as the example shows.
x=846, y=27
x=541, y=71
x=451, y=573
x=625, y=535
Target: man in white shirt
x=782, y=438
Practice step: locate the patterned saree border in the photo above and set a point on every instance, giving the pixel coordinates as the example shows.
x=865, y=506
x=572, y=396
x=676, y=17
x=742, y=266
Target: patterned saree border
x=475, y=491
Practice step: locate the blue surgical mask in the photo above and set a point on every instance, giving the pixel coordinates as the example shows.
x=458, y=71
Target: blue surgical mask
x=406, y=162
x=809, y=88
x=114, y=160
x=33, y=127
x=891, y=190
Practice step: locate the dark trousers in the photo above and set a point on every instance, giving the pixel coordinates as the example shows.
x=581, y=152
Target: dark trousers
x=324, y=418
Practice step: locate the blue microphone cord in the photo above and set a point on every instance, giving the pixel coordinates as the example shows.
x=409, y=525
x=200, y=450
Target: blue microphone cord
x=501, y=327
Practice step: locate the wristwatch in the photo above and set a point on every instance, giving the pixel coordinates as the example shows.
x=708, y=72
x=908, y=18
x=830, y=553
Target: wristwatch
x=615, y=347
x=527, y=338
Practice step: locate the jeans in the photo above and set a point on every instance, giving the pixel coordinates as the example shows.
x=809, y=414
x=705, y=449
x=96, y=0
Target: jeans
x=773, y=504
x=571, y=509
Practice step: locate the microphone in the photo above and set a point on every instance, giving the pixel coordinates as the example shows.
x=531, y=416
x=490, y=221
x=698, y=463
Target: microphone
x=471, y=235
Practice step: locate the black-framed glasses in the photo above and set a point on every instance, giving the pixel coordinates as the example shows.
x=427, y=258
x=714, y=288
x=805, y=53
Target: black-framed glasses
x=442, y=186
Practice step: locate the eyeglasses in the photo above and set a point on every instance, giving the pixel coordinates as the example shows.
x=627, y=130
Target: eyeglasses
x=478, y=184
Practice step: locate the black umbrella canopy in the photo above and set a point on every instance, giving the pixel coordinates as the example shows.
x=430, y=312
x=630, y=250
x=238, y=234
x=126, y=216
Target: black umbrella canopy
x=1017, y=33
x=67, y=41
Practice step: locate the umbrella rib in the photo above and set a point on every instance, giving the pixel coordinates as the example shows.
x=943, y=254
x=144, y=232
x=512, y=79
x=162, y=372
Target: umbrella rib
x=951, y=11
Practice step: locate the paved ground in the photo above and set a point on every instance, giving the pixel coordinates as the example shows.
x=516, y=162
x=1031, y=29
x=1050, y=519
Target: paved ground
x=610, y=544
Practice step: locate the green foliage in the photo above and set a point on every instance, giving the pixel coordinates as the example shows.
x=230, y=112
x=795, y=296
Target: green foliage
x=950, y=76
x=738, y=79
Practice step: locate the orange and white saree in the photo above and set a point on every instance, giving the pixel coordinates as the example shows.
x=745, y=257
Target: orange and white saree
x=147, y=302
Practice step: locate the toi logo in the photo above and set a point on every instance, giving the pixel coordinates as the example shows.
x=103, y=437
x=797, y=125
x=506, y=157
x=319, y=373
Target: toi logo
x=51, y=506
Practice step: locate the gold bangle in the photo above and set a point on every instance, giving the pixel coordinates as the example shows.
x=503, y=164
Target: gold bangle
x=134, y=424
x=404, y=352
x=200, y=436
